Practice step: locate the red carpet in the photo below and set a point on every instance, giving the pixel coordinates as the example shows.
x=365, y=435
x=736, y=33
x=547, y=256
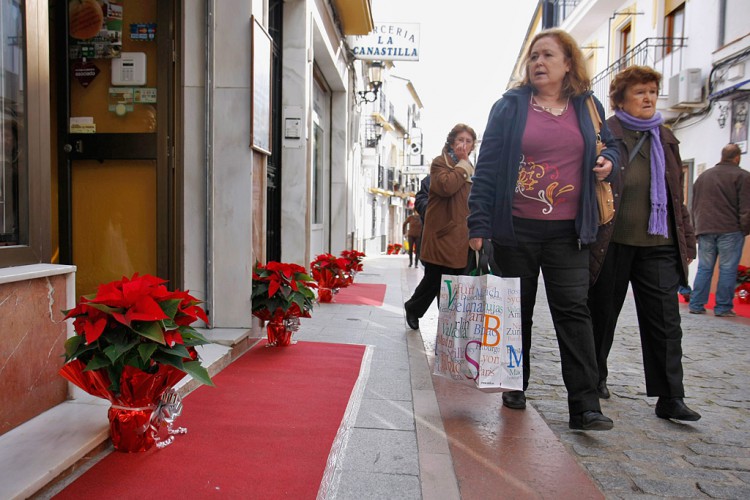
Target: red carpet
x=741, y=308
x=265, y=431
x=364, y=294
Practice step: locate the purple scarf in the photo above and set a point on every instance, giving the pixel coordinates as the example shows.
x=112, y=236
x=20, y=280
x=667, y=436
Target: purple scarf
x=657, y=222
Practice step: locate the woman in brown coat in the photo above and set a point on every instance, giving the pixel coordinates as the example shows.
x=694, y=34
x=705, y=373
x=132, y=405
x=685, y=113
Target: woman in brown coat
x=445, y=237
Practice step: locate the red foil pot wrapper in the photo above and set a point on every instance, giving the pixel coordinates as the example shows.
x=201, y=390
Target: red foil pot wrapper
x=325, y=294
x=130, y=429
x=278, y=333
x=140, y=393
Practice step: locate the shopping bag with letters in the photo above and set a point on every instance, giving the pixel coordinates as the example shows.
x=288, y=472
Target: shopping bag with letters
x=479, y=332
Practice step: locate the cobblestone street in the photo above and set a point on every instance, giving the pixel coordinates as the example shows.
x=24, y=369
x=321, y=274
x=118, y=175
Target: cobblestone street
x=645, y=456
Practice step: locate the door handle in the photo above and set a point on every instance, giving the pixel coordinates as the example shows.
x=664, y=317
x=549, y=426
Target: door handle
x=77, y=146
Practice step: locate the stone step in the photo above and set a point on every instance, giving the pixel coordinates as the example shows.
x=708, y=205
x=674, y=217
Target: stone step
x=41, y=456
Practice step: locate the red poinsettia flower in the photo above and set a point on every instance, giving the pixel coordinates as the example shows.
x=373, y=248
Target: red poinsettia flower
x=136, y=322
x=281, y=290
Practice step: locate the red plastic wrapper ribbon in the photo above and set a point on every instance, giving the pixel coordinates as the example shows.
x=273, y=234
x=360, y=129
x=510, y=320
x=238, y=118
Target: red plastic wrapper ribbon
x=132, y=410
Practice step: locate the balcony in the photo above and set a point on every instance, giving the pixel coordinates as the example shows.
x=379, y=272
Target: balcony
x=662, y=54
x=561, y=9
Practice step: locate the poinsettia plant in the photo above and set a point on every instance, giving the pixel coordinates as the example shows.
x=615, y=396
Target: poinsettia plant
x=136, y=323
x=743, y=277
x=354, y=258
x=330, y=271
x=394, y=248
x=282, y=291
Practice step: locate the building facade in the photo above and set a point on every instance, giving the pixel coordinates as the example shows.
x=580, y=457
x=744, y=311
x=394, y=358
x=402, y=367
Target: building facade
x=180, y=138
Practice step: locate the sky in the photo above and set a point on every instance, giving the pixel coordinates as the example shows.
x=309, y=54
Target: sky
x=467, y=52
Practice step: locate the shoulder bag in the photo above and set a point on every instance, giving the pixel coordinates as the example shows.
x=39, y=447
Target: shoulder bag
x=604, y=196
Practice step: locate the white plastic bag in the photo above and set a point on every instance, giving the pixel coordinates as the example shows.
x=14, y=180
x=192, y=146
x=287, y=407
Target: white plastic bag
x=479, y=332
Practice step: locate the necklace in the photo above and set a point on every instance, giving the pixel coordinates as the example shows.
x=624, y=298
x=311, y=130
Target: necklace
x=549, y=109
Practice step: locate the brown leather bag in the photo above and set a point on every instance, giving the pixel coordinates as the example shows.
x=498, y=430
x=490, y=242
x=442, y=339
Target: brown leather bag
x=604, y=196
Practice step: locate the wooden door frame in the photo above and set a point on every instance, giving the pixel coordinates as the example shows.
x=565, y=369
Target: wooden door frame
x=160, y=146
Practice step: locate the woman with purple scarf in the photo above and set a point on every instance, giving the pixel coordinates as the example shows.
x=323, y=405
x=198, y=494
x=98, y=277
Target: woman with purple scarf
x=648, y=245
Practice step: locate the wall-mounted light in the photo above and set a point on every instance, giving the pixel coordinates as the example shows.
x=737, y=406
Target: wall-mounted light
x=723, y=112
x=375, y=77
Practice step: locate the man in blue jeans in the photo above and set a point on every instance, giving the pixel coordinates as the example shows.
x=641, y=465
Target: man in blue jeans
x=721, y=216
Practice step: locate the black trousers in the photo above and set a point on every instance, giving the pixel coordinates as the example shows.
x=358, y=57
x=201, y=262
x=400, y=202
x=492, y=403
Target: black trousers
x=565, y=267
x=654, y=275
x=429, y=288
x=415, y=242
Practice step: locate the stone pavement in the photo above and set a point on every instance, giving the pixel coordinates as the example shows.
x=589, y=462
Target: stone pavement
x=397, y=445
x=644, y=456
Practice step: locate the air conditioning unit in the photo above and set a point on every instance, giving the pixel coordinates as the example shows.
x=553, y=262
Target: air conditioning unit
x=685, y=88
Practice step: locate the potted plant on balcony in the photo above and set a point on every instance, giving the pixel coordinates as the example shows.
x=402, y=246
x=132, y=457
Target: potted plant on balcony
x=331, y=274
x=133, y=342
x=282, y=294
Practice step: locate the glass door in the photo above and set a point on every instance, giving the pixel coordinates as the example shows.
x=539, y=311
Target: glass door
x=114, y=95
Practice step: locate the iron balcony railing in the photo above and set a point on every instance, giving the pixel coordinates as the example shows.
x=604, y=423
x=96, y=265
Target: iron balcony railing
x=662, y=54
x=562, y=9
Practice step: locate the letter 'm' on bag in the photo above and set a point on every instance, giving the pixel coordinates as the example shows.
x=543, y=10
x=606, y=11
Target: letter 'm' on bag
x=479, y=332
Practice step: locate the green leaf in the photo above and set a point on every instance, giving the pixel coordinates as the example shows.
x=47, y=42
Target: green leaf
x=105, y=309
x=168, y=359
x=195, y=370
x=149, y=329
x=71, y=346
x=170, y=307
x=146, y=350
x=177, y=350
x=98, y=361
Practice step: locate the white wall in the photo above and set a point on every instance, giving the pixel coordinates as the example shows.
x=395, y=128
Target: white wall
x=230, y=264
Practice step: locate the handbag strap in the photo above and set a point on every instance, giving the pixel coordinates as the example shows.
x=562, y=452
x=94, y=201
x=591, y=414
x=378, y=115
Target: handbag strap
x=596, y=120
x=637, y=147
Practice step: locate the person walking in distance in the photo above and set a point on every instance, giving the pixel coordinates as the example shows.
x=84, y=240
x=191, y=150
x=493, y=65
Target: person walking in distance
x=445, y=236
x=721, y=214
x=412, y=229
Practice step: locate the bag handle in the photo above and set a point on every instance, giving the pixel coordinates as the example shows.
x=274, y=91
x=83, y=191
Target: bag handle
x=596, y=120
x=484, y=259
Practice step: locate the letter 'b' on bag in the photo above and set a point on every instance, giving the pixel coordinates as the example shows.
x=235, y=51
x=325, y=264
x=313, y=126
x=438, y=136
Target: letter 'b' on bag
x=479, y=332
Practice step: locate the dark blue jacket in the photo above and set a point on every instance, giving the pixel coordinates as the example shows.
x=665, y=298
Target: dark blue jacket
x=420, y=200
x=496, y=174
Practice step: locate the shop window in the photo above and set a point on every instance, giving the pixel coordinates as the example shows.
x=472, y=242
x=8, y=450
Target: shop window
x=14, y=175
x=24, y=166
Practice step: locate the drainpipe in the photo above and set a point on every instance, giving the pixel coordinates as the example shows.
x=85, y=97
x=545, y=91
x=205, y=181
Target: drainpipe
x=209, y=148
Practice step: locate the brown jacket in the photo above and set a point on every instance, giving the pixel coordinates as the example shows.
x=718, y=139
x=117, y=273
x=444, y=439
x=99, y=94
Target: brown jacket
x=679, y=217
x=413, y=226
x=721, y=200
x=445, y=239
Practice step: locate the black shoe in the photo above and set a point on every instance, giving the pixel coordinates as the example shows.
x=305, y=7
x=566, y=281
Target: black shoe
x=411, y=319
x=676, y=409
x=514, y=399
x=590, y=421
x=603, y=390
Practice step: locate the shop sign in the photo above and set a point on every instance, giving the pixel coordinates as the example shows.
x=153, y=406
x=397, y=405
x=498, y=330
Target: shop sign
x=387, y=42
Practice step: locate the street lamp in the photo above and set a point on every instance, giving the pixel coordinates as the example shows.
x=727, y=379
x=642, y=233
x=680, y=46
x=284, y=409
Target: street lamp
x=375, y=77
